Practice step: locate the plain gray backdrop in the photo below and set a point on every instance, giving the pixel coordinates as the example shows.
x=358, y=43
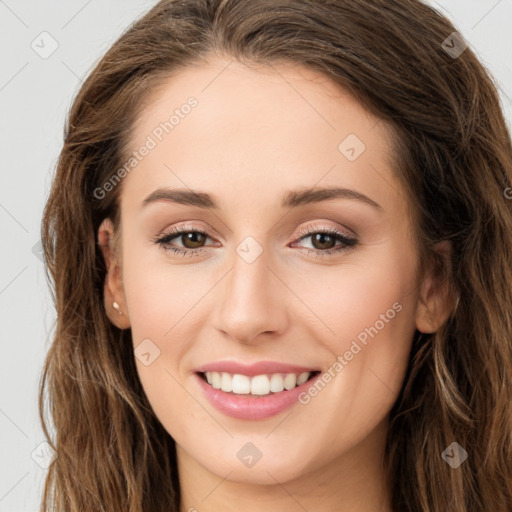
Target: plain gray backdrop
x=47, y=49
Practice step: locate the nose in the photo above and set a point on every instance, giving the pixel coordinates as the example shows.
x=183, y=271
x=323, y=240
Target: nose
x=252, y=301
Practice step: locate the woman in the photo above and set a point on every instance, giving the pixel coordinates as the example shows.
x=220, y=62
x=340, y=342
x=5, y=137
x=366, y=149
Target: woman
x=279, y=237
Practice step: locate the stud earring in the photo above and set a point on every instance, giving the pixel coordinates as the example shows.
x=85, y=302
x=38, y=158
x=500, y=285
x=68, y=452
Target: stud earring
x=117, y=308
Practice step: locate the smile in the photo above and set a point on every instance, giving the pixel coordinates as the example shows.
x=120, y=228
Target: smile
x=256, y=391
x=258, y=385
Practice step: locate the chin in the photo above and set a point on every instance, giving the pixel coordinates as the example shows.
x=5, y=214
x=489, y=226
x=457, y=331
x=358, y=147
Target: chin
x=268, y=470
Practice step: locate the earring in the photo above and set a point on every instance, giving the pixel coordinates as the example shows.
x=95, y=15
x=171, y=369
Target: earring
x=116, y=307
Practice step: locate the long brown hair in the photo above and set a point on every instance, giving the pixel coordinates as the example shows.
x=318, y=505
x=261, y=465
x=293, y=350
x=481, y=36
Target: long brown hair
x=454, y=157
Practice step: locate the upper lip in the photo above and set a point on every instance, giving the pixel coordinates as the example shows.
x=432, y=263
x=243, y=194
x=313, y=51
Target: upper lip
x=259, y=368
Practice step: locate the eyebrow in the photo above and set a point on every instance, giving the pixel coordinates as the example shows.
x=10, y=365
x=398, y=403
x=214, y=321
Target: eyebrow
x=291, y=199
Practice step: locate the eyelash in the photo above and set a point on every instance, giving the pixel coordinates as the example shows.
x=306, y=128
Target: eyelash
x=346, y=241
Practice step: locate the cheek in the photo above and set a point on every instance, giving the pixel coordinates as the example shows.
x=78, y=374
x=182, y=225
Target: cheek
x=158, y=306
x=370, y=308
x=158, y=294
x=368, y=298
x=367, y=313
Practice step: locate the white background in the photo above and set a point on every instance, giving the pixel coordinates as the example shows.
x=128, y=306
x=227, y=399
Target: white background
x=35, y=95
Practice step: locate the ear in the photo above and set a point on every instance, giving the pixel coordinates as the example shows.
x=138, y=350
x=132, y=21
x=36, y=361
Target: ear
x=436, y=300
x=113, y=286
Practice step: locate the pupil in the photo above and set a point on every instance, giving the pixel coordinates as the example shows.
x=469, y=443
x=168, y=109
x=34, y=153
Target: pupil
x=192, y=238
x=321, y=238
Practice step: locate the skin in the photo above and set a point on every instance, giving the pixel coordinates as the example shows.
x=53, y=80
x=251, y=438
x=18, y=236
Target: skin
x=254, y=135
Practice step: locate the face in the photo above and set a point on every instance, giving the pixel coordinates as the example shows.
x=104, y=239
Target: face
x=238, y=267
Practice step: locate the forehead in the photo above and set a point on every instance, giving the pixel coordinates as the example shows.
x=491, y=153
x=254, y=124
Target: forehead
x=232, y=129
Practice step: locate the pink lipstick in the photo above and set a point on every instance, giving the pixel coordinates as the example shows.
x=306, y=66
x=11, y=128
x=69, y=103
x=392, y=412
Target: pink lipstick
x=256, y=391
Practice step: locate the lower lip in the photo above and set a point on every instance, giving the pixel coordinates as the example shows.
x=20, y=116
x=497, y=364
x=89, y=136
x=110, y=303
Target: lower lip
x=253, y=407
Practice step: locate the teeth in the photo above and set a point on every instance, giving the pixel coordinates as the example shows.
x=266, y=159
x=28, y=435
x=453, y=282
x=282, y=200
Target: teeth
x=276, y=383
x=303, y=377
x=290, y=381
x=226, y=382
x=241, y=384
x=215, y=380
x=258, y=385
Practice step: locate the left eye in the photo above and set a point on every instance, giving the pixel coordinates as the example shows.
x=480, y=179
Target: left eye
x=192, y=240
x=322, y=237
x=323, y=241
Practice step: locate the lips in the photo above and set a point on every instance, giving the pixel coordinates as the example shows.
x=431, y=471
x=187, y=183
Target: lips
x=259, y=368
x=255, y=391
